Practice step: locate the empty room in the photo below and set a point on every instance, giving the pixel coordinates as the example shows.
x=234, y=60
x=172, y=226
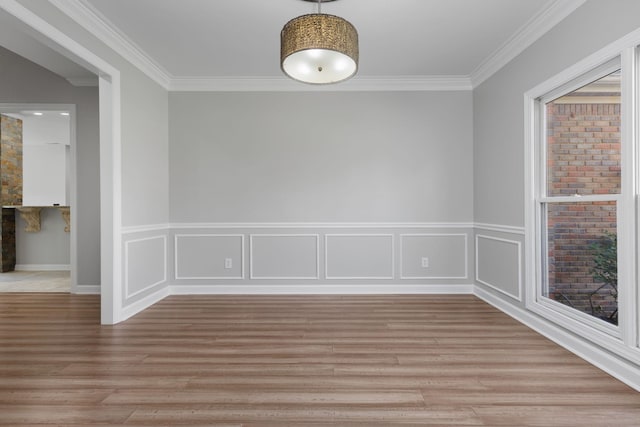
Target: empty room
x=320, y=213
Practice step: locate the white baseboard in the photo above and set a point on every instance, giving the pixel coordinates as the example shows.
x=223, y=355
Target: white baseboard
x=43, y=267
x=144, y=303
x=325, y=289
x=625, y=371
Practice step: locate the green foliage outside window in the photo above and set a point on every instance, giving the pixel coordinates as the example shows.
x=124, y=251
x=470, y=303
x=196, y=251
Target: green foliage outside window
x=605, y=271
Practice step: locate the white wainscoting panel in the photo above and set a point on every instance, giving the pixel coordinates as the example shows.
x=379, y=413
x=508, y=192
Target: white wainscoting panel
x=359, y=256
x=284, y=256
x=446, y=256
x=209, y=256
x=499, y=264
x=145, y=264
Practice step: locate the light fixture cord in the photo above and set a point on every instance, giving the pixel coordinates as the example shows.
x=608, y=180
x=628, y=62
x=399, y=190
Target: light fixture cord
x=319, y=6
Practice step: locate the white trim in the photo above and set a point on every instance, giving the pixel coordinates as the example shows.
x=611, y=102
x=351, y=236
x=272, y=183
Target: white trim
x=547, y=18
x=242, y=260
x=83, y=81
x=85, y=15
x=144, y=228
x=110, y=200
x=144, y=303
x=620, y=369
x=628, y=309
x=322, y=289
x=73, y=202
x=305, y=225
x=500, y=228
x=326, y=258
x=43, y=267
x=587, y=198
x=466, y=257
x=580, y=323
x=519, y=247
x=128, y=295
x=283, y=84
x=252, y=276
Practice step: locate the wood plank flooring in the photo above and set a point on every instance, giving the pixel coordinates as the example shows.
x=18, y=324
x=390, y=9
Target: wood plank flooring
x=293, y=361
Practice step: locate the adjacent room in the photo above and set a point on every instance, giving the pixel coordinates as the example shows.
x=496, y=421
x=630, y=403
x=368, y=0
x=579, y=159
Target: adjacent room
x=309, y=213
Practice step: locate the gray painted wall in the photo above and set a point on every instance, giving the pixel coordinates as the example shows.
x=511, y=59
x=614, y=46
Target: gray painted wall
x=49, y=246
x=145, y=161
x=498, y=103
x=321, y=157
x=22, y=81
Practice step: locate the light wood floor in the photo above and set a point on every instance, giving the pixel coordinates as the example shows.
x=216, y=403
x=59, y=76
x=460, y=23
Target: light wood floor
x=293, y=361
x=35, y=281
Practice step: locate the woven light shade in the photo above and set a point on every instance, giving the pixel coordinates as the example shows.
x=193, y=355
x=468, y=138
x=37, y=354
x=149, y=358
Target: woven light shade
x=319, y=49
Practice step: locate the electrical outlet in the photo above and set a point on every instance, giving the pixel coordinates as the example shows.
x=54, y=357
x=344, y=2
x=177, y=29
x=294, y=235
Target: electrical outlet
x=425, y=262
x=228, y=263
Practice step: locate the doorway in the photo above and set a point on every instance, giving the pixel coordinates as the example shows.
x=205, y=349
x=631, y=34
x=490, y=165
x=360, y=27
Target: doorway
x=110, y=247
x=45, y=242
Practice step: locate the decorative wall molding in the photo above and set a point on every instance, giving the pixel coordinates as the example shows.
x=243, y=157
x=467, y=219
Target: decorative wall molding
x=144, y=228
x=253, y=237
x=625, y=371
x=500, y=228
x=324, y=225
x=536, y=27
x=466, y=256
x=322, y=289
x=177, y=251
x=518, y=245
x=127, y=260
x=327, y=276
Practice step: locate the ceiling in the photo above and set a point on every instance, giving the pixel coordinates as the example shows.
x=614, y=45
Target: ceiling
x=195, y=44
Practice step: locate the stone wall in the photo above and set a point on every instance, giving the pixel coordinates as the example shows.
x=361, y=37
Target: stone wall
x=10, y=187
x=11, y=161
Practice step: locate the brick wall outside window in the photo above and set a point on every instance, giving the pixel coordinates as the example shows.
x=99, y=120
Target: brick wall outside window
x=583, y=158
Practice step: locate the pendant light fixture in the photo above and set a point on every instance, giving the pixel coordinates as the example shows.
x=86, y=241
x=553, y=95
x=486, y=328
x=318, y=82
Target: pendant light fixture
x=319, y=48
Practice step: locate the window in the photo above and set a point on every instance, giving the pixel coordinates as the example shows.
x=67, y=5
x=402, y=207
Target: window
x=581, y=142
x=581, y=191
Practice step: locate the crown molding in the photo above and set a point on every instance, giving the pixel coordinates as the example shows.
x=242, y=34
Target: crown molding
x=356, y=84
x=98, y=25
x=94, y=22
x=553, y=12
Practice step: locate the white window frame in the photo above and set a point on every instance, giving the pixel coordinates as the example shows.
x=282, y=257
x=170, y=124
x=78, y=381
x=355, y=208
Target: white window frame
x=622, y=339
